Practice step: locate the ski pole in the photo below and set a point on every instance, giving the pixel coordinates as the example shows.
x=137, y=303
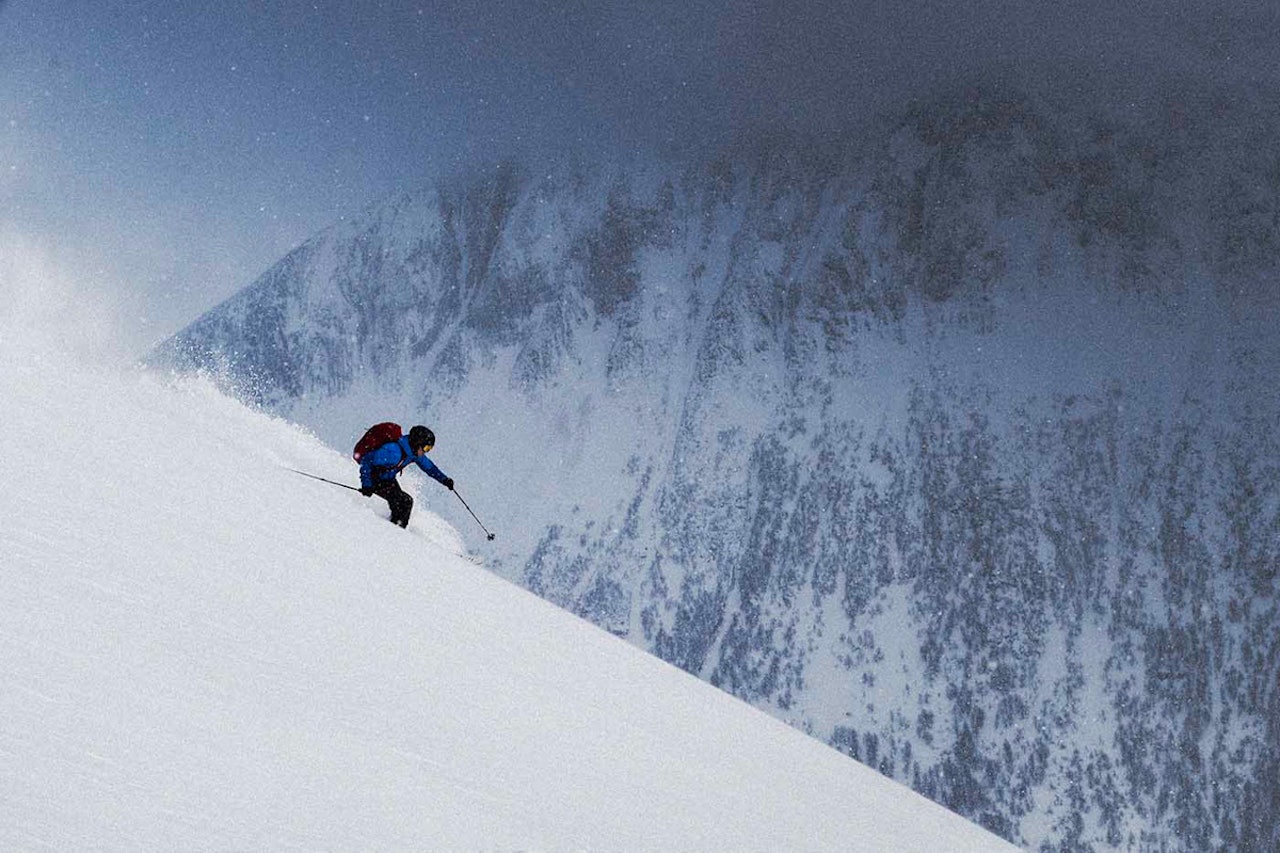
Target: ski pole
x=322, y=479
x=473, y=515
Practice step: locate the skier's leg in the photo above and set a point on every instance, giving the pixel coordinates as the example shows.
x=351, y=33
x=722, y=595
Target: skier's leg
x=403, y=507
x=381, y=491
x=400, y=502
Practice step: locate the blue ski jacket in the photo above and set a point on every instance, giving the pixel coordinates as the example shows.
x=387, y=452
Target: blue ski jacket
x=385, y=463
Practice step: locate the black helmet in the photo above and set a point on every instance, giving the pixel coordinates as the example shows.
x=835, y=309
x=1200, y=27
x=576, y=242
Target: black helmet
x=421, y=438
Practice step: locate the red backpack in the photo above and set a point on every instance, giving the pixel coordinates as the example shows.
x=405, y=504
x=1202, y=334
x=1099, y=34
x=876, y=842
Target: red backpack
x=376, y=436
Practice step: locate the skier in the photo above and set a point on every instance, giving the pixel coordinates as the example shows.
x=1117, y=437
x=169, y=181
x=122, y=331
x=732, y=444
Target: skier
x=380, y=467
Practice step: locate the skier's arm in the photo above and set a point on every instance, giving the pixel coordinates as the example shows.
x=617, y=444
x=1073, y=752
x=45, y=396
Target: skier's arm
x=366, y=471
x=432, y=471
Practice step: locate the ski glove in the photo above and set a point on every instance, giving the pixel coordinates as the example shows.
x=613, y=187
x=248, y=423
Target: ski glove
x=447, y=482
x=367, y=491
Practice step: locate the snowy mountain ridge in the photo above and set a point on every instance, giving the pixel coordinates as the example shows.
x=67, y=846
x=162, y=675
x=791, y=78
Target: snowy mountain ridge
x=956, y=451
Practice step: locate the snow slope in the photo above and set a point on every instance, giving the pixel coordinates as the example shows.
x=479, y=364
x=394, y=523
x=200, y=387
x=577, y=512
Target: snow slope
x=202, y=650
x=957, y=451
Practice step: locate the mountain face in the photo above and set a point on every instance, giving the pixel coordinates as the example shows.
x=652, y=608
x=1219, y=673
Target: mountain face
x=957, y=449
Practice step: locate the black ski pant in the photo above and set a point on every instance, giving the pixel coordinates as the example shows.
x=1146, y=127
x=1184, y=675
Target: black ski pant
x=401, y=502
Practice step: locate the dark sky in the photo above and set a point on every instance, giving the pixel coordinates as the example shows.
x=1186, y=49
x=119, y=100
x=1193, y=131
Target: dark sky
x=167, y=151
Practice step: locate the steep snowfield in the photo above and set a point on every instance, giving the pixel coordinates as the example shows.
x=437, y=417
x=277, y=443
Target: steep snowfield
x=202, y=650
